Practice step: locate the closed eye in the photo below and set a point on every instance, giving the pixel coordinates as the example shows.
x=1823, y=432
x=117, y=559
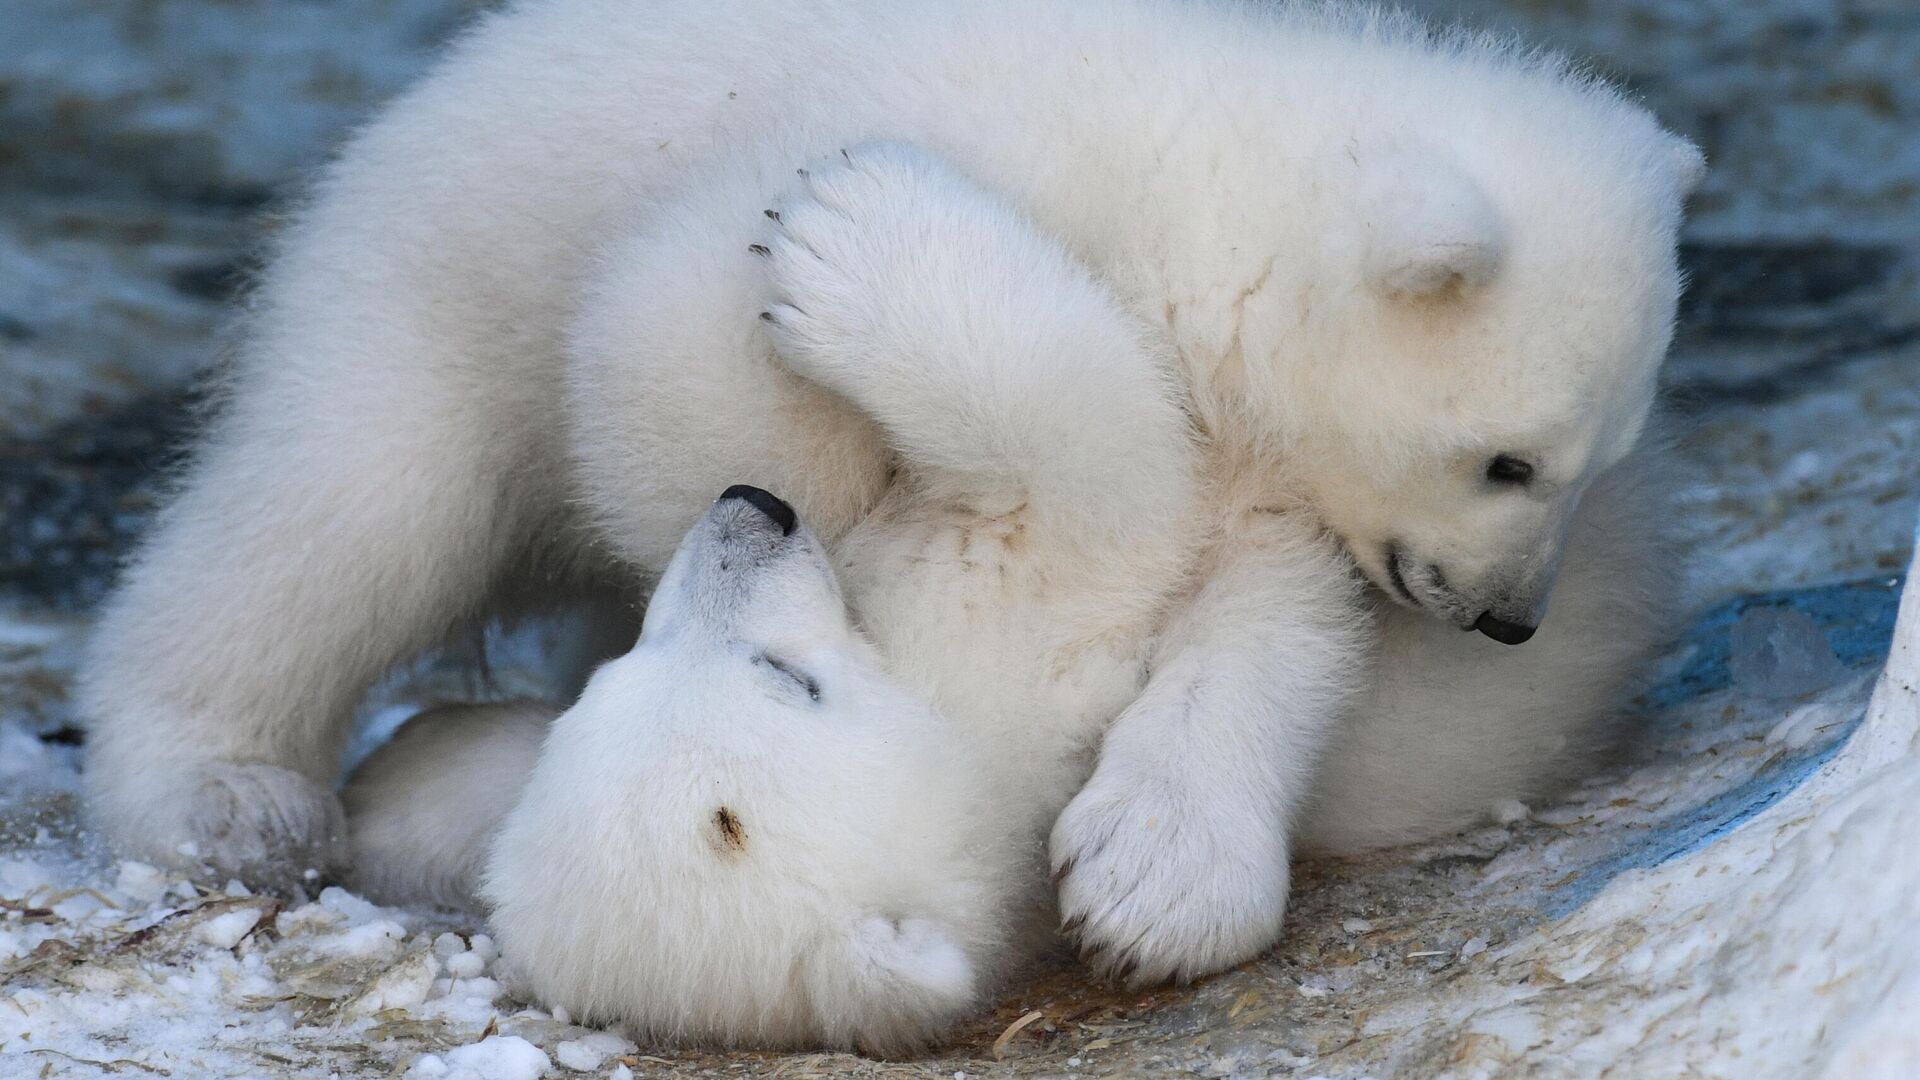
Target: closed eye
x=804, y=682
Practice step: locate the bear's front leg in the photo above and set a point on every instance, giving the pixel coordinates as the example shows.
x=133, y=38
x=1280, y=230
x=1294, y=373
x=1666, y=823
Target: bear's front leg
x=990, y=356
x=1171, y=862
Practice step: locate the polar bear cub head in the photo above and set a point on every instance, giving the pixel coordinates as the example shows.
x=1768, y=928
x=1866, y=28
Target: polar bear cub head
x=1472, y=336
x=744, y=832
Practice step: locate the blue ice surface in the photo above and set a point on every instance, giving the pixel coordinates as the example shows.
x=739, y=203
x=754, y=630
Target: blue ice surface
x=1857, y=618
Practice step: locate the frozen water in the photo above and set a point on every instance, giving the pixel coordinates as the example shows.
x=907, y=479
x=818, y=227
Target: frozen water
x=589, y=1052
x=1780, y=652
x=500, y=1057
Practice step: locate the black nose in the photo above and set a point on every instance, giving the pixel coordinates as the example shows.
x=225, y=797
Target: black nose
x=767, y=503
x=1502, y=631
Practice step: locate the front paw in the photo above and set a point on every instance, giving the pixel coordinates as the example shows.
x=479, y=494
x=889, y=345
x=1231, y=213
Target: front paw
x=1167, y=879
x=864, y=250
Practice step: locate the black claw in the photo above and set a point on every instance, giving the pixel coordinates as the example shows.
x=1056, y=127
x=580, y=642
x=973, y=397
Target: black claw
x=760, y=249
x=1060, y=875
x=1071, y=926
x=773, y=215
x=1126, y=970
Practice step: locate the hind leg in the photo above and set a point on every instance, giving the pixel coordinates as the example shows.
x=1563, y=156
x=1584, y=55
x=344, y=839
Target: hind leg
x=424, y=807
x=334, y=524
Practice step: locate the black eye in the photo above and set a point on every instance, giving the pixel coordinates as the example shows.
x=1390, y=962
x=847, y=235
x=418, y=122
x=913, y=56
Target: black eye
x=1509, y=471
x=800, y=679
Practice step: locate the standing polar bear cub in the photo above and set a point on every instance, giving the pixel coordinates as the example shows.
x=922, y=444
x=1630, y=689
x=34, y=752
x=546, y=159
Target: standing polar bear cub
x=1409, y=297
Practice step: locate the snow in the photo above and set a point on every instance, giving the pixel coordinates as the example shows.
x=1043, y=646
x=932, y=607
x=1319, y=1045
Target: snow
x=466, y=965
x=499, y=1057
x=588, y=1053
x=141, y=882
x=1784, y=942
x=226, y=931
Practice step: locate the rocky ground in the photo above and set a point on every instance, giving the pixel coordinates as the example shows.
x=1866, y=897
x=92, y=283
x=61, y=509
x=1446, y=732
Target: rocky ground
x=1640, y=925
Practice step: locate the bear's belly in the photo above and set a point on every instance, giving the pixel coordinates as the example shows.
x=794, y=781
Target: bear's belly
x=1030, y=651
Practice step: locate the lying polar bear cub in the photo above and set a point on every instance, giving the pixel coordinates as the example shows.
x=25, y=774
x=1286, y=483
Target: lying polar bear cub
x=745, y=831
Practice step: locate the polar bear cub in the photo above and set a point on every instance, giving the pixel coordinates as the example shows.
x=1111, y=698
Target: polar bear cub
x=745, y=832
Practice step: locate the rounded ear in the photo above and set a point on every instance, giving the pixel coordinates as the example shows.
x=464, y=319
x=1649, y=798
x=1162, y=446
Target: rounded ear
x=1430, y=229
x=1689, y=165
x=891, y=985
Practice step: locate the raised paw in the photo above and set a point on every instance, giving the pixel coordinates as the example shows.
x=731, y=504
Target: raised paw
x=872, y=255
x=1163, y=882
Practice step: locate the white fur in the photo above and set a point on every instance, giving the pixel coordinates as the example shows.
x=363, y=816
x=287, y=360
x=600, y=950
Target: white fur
x=745, y=832
x=515, y=330
x=895, y=875
x=422, y=811
x=1452, y=720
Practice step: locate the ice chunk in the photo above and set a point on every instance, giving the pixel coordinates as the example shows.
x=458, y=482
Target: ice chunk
x=465, y=965
x=587, y=1053
x=379, y=938
x=23, y=877
x=145, y=884
x=355, y=908
x=497, y=1057
x=479, y=988
x=400, y=987
x=1780, y=652
x=227, y=929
